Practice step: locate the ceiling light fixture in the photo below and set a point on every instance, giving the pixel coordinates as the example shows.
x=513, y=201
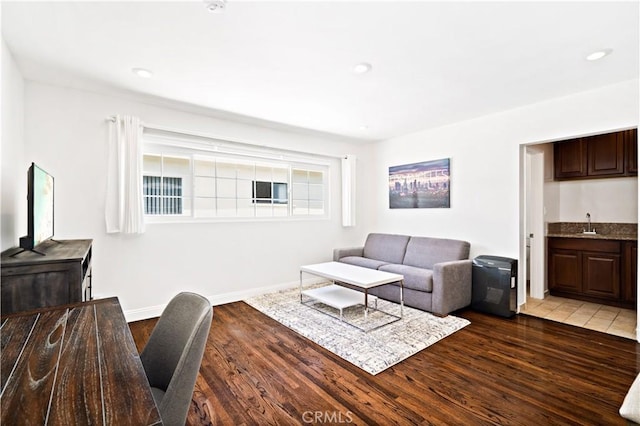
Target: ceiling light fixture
x=142, y=72
x=599, y=54
x=362, y=68
x=216, y=6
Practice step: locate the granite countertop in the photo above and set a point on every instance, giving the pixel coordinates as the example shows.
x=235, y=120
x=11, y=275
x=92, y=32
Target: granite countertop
x=604, y=231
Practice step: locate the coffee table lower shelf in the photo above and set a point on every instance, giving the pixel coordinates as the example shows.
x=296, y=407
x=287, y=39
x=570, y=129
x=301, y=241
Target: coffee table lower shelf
x=340, y=298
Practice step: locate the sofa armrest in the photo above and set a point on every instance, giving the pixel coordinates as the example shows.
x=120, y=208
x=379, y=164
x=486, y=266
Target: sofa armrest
x=349, y=251
x=451, y=286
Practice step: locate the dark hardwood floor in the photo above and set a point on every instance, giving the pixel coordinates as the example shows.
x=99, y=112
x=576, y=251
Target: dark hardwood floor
x=519, y=371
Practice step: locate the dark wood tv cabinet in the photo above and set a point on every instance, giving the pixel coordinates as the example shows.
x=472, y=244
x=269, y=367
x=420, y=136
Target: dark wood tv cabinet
x=61, y=276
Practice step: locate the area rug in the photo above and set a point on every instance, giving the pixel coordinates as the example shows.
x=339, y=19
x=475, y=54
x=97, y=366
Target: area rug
x=372, y=351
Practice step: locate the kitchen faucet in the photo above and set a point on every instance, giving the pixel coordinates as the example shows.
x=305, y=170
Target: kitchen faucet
x=588, y=222
x=589, y=230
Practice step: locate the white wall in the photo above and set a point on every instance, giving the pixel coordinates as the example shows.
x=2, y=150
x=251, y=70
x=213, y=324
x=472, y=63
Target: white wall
x=607, y=200
x=485, y=165
x=66, y=132
x=13, y=186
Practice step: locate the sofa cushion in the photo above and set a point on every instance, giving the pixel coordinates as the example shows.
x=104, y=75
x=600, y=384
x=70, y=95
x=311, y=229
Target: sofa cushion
x=414, y=278
x=388, y=248
x=363, y=261
x=424, y=252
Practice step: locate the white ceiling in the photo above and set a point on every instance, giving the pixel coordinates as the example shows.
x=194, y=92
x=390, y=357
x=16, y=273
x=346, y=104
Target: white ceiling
x=291, y=62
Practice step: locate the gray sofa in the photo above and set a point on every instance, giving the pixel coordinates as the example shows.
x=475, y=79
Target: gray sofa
x=437, y=271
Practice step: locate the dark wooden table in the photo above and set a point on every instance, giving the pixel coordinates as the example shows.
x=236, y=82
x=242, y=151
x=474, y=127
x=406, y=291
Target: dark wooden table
x=72, y=365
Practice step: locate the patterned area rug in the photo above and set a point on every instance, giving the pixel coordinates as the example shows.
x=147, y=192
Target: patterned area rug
x=372, y=351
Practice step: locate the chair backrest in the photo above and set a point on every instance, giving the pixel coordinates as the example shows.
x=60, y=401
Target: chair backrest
x=173, y=354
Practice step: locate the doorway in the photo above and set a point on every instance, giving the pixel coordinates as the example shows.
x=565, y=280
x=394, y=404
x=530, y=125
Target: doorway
x=535, y=211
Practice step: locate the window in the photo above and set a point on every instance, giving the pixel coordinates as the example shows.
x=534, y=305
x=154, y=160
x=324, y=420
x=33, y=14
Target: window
x=163, y=184
x=162, y=195
x=270, y=192
x=308, y=192
x=198, y=183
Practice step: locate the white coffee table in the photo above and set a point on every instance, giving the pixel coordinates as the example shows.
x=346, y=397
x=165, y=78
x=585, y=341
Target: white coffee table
x=344, y=275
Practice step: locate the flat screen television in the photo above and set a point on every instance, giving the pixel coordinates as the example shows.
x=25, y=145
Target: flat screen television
x=40, y=206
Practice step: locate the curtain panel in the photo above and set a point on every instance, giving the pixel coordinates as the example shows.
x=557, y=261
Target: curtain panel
x=349, y=190
x=124, y=205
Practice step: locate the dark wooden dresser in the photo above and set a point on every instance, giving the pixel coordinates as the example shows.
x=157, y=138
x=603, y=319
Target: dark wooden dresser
x=61, y=276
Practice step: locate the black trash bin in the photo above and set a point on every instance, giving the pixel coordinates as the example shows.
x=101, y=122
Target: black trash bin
x=495, y=285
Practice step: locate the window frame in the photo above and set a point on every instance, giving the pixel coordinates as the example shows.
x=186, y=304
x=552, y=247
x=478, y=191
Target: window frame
x=169, y=146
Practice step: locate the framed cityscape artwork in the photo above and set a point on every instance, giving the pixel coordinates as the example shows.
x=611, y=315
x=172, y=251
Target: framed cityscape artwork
x=420, y=185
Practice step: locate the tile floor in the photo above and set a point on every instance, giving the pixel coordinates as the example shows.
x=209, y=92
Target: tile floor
x=607, y=319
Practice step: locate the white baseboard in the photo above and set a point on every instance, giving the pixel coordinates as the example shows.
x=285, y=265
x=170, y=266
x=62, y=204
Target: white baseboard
x=144, y=313
x=219, y=299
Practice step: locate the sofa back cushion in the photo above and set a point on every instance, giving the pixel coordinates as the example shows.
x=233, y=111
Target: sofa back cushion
x=386, y=247
x=424, y=252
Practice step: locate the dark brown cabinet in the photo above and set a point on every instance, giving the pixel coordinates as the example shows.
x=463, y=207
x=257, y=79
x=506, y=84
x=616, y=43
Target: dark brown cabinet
x=631, y=151
x=565, y=270
x=570, y=159
x=61, y=276
x=599, y=156
x=630, y=271
x=605, y=154
x=601, y=275
x=600, y=271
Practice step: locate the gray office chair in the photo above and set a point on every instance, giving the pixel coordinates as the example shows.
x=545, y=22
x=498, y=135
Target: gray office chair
x=173, y=354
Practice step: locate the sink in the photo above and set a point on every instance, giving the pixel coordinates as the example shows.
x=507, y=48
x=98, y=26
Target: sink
x=589, y=232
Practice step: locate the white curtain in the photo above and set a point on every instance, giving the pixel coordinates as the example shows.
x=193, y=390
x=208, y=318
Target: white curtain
x=124, y=207
x=349, y=190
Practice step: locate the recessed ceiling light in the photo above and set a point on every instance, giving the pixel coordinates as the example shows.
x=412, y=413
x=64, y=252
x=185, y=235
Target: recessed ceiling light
x=142, y=72
x=362, y=68
x=599, y=54
x=216, y=6
x=364, y=127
